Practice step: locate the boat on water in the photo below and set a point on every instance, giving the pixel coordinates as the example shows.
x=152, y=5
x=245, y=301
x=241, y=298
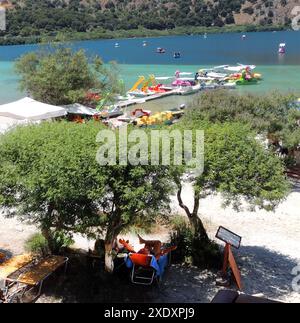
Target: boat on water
x=160, y=50
x=177, y=55
x=216, y=76
x=141, y=94
x=145, y=44
x=237, y=68
x=117, y=45
x=282, y=48
x=122, y=98
x=188, y=90
x=242, y=81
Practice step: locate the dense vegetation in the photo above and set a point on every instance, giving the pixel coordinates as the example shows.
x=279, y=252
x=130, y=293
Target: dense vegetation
x=60, y=76
x=37, y=20
x=273, y=115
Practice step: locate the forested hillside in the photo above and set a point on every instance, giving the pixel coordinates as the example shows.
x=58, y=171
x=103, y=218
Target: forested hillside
x=33, y=18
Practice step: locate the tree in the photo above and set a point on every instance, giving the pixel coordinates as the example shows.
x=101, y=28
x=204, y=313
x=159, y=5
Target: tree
x=50, y=178
x=237, y=166
x=60, y=76
x=270, y=114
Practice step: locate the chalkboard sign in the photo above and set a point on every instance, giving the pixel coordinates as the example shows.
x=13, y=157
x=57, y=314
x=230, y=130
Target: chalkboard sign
x=229, y=237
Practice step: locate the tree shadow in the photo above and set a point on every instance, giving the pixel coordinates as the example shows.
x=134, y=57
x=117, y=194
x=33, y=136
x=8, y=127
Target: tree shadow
x=295, y=186
x=265, y=271
x=8, y=254
x=81, y=285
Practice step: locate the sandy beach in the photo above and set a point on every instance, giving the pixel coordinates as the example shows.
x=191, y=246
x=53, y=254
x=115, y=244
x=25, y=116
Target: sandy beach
x=269, y=252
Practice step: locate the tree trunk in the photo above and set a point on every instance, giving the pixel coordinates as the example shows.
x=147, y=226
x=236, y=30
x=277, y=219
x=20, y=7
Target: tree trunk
x=109, y=259
x=47, y=235
x=193, y=217
x=198, y=228
x=110, y=239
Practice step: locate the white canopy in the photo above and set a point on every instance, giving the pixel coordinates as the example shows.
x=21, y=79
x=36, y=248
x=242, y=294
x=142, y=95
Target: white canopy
x=6, y=123
x=77, y=108
x=31, y=110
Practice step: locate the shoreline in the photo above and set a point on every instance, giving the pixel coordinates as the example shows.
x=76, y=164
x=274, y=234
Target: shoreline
x=61, y=36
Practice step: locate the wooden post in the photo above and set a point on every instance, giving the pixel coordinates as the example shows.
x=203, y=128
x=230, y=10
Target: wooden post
x=230, y=260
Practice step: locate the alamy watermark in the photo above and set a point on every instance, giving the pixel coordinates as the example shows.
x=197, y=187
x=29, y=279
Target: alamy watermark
x=2, y=18
x=296, y=280
x=296, y=18
x=151, y=148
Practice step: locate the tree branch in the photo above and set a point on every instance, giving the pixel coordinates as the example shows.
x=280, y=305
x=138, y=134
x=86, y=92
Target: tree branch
x=181, y=204
x=196, y=203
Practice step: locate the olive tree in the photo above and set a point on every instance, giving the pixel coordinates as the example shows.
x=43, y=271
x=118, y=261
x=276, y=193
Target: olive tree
x=235, y=165
x=49, y=177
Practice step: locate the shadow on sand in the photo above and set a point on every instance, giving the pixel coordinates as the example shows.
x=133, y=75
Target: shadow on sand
x=7, y=253
x=266, y=272
x=263, y=272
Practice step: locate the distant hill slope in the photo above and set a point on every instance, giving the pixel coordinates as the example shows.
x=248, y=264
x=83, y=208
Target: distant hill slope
x=38, y=17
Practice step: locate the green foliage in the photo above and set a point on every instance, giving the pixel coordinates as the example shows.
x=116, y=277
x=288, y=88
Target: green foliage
x=192, y=250
x=60, y=240
x=37, y=244
x=270, y=114
x=34, y=21
x=237, y=165
x=50, y=177
x=60, y=76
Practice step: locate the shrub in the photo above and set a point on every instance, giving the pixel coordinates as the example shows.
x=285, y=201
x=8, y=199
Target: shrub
x=37, y=244
x=60, y=240
x=191, y=249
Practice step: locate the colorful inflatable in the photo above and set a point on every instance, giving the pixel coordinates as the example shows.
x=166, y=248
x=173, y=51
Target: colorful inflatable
x=156, y=119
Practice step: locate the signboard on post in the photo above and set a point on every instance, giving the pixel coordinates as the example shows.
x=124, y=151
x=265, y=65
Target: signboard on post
x=232, y=240
x=229, y=237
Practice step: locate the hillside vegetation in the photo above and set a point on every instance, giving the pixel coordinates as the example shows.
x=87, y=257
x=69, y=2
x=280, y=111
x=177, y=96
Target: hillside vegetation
x=34, y=19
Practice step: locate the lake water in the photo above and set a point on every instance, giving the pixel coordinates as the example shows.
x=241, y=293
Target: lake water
x=281, y=72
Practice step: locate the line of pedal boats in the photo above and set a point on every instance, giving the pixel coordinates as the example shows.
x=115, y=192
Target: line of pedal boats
x=183, y=83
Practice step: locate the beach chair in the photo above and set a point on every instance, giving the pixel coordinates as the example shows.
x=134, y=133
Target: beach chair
x=34, y=277
x=11, y=267
x=145, y=269
x=143, y=272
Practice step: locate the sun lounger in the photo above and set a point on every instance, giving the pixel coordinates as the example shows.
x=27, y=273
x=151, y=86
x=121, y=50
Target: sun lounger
x=35, y=276
x=14, y=264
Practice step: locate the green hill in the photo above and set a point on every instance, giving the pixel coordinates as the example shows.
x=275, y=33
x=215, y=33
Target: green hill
x=33, y=19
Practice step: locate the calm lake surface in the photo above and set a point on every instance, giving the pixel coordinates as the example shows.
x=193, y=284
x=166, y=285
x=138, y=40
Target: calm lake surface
x=281, y=72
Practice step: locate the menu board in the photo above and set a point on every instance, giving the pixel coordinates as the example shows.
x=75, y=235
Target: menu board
x=229, y=237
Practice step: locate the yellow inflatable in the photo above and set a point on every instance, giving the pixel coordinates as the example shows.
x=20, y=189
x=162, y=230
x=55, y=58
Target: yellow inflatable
x=156, y=119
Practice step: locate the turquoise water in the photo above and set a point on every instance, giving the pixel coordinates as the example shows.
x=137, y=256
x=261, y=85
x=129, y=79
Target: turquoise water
x=280, y=72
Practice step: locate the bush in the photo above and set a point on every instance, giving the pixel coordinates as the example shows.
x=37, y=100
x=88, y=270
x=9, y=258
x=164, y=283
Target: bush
x=192, y=250
x=37, y=244
x=60, y=240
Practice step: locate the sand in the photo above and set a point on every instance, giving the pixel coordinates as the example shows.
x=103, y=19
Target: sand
x=269, y=252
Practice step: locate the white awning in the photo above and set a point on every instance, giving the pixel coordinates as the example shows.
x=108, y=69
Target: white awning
x=31, y=110
x=77, y=108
